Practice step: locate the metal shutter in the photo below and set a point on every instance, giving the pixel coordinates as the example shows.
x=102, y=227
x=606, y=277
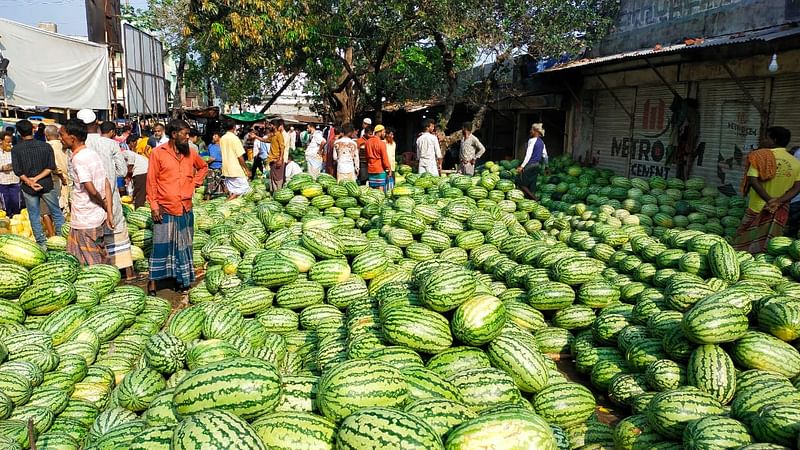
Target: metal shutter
x=729, y=128
x=611, y=134
x=785, y=108
x=652, y=131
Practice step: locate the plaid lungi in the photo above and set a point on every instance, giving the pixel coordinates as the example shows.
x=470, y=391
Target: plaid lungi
x=118, y=245
x=215, y=182
x=172, y=249
x=88, y=246
x=758, y=228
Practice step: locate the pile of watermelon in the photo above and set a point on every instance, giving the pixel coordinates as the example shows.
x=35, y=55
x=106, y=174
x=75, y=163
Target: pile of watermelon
x=335, y=316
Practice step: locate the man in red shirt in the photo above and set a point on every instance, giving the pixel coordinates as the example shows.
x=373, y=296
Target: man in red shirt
x=175, y=171
x=378, y=165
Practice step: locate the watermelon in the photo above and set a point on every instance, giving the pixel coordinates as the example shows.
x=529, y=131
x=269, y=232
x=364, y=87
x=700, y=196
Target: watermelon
x=246, y=387
x=295, y=430
x=215, y=429
x=502, y=430
x=669, y=412
x=377, y=427
x=478, y=320
x=358, y=383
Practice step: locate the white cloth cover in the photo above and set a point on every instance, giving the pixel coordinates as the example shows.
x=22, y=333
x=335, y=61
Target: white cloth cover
x=53, y=70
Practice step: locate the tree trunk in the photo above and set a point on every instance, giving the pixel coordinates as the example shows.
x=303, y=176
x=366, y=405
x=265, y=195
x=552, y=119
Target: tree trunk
x=344, y=98
x=177, y=101
x=209, y=92
x=449, y=64
x=484, y=97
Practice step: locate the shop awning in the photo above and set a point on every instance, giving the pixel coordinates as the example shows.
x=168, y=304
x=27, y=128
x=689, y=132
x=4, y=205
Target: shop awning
x=768, y=35
x=247, y=117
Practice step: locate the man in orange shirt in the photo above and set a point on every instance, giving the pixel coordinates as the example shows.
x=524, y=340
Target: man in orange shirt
x=378, y=165
x=175, y=171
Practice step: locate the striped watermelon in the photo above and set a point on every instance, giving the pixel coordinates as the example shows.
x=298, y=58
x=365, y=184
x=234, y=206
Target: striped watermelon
x=222, y=322
x=322, y=243
x=781, y=319
x=710, y=369
x=270, y=270
x=777, y=423
x=418, y=329
x=20, y=251
x=519, y=359
x=13, y=280
x=564, y=404
x=440, y=414
x=550, y=296
x=377, y=427
x=715, y=432
x=209, y=351
x=355, y=384
x=714, y=323
x=165, y=353
x=723, y=262
x=669, y=412
x=756, y=350
x=495, y=430
x=46, y=297
x=478, y=320
x=215, y=429
x=447, y=288
x=187, y=324
x=329, y=272
x=485, y=387
x=153, y=438
x=138, y=389
x=289, y=430
x=300, y=294
x=246, y=387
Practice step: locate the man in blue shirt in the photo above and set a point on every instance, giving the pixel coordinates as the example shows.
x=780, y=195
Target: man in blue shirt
x=215, y=183
x=263, y=153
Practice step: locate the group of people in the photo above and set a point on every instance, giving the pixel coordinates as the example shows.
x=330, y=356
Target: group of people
x=83, y=167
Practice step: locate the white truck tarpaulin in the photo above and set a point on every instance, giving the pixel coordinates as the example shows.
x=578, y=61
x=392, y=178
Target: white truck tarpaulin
x=50, y=69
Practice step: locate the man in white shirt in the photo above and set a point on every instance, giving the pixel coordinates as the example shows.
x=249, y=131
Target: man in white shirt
x=429, y=154
x=367, y=122
x=292, y=138
x=159, y=135
x=286, y=143
x=314, y=151
x=345, y=153
x=292, y=169
x=117, y=241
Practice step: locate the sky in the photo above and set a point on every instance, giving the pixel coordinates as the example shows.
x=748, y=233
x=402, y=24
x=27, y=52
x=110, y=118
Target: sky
x=69, y=15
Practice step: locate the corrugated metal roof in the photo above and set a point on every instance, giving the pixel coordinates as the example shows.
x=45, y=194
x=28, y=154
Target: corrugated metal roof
x=765, y=35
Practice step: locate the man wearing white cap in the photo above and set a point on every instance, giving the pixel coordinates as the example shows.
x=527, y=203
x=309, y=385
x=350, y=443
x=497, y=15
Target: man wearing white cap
x=535, y=153
x=117, y=240
x=367, y=122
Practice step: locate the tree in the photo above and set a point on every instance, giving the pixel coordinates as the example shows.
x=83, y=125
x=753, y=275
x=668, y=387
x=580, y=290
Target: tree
x=497, y=30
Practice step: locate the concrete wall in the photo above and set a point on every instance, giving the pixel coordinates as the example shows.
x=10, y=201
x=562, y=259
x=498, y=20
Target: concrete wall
x=645, y=23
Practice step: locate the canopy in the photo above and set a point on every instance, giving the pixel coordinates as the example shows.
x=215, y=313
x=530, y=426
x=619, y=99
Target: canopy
x=248, y=117
x=50, y=69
